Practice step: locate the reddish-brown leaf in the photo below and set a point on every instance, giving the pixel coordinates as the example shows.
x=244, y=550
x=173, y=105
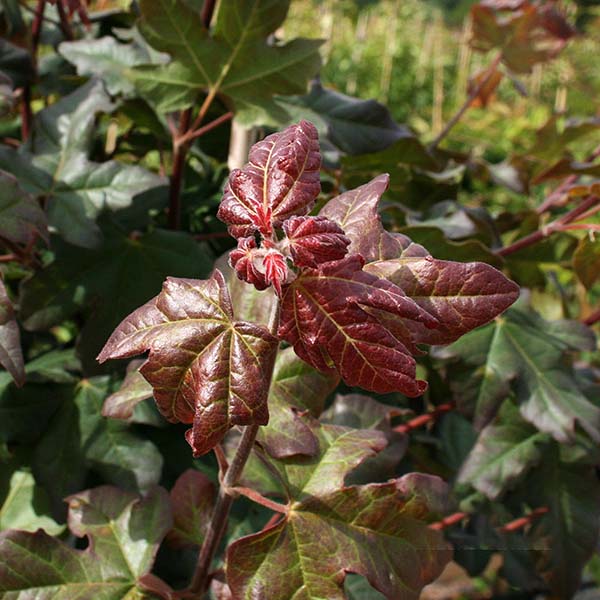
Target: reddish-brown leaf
x=11, y=356
x=192, y=499
x=281, y=179
x=486, y=83
x=246, y=260
x=356, y=213
x=461, y=296
x=204, y=367
x=315, y=240
x=325, y=314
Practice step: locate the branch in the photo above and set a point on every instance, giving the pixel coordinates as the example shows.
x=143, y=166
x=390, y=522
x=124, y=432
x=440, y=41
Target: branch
x=522, y=522
x=220, y=515
x=65, y=26
x=424, y=419
x=467, y=103
x=561, y=224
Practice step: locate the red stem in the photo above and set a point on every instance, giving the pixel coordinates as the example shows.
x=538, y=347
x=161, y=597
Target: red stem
x=593, y=318
x=179, y=153
x=260, y=499
x=192, y=135
x=65, y=26
x=449, y=521
x=556, y=225
x=424, y=419
x=522, y=522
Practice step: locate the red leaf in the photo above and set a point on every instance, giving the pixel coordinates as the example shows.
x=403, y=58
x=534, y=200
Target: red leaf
x=315, y=240
x=204, y=367
x=275, y=269
x=281, y=179
x=244, y=261
x=325, y=314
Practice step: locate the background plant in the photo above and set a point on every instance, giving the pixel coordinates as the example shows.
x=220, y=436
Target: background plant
x=113, y=164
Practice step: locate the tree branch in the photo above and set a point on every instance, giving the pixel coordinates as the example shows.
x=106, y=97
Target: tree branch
x=466, y=105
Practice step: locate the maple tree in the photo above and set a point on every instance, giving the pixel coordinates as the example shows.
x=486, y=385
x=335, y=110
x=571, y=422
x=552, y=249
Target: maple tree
x=325, y=371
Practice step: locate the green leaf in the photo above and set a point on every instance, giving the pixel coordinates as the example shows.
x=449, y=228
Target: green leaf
x=78, y=439
x=586, y=261
x=523, y=352
x=354, y=126
x=565, y=537
x=54, y=163
x=376, y=530
x=504, y=452
x=296, y=389
x=234, y=59
x=124, y=532
x=16, y=63
x=123, y=529
x=21, y=216
x=109, y=60
x=83, y=280
x=23, y=504
x=11, y=356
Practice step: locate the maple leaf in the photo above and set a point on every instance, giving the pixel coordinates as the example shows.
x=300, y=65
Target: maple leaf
x=281, y=179
x=460, y=296
x=204, y=367
x=325, y=315
x=315, y=240
x=377, y=530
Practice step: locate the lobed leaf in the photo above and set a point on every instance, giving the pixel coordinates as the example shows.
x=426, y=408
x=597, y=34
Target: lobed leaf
x=204, y=367
x=376, y=530
x=523, y=352
x=124, y=533
x=460, y=296
x=505, y=450
x=325, y=315
x=21, y=217
x=234, y=59
x=281, y=179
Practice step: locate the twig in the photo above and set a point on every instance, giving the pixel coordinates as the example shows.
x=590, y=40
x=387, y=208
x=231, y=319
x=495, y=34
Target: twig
x=23, y=4
x=560, y=224
x=560, y=190
x=522, y=522
x=192, y=135
x=220, y=514
x=449, y=521
x=424, y=419
x=466, y=104
x=260, y=499
x=179, y=153
x=180, y=150
x=65, y=26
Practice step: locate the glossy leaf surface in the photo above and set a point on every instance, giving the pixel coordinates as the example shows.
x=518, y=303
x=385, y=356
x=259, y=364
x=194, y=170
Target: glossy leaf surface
x=375, y=530
x=280, y=180
x=204, y=367
x=325, y=316
x=57, y=166
x=315, y=240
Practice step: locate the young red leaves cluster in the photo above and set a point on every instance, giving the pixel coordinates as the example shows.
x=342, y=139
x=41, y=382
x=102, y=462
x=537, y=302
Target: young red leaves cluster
x=355, y=299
